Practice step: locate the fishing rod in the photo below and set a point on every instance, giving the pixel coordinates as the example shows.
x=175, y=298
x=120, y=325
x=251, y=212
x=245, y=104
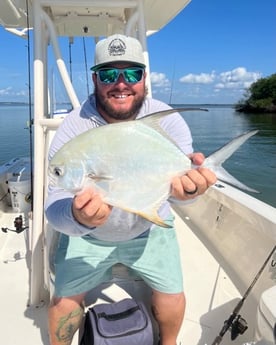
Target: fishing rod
x=30, y=104
x=235, y=322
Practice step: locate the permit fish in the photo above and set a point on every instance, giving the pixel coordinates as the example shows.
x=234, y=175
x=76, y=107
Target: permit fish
x=131, y=164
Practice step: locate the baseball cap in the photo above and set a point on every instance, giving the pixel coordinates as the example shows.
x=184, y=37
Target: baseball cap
x=118, y=48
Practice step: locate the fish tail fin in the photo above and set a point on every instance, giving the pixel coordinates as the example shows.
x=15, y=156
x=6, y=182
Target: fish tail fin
x=224, y=176
x=215, y=160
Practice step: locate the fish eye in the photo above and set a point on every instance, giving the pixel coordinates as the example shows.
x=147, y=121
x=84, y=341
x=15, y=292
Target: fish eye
x=58, y=171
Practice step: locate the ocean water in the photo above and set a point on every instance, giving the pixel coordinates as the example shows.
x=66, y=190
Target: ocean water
x=254, y=163
x=14, y=132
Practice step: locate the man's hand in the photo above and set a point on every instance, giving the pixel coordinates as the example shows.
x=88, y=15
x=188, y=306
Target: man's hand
x=194, y=182
x=89, y=209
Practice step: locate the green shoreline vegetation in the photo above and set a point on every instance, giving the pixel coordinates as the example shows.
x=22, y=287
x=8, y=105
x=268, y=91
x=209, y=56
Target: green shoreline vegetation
x=260, y=97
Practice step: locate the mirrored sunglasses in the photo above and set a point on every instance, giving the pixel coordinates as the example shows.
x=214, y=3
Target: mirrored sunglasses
x=131, y=75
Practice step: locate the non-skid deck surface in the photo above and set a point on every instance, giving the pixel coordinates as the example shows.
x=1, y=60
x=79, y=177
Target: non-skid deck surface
x=210, y=294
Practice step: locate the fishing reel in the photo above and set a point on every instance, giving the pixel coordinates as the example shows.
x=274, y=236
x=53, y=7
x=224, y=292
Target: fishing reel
x=235, y=323
x=238, y=327
x=18, y=224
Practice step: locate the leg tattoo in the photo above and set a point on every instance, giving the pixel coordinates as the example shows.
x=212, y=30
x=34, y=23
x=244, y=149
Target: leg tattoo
x=68, y=325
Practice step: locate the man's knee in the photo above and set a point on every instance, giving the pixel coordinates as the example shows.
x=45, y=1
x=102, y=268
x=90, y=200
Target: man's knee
x=70, y=300
x=164, y=303
x=171, y=297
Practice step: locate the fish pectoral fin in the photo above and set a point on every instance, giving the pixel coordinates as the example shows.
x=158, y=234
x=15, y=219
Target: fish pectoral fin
x=95, y=177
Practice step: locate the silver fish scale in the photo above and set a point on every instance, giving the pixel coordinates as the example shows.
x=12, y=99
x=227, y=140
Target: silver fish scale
x=130, y=163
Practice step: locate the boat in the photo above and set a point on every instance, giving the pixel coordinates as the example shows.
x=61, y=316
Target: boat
x=227, y=237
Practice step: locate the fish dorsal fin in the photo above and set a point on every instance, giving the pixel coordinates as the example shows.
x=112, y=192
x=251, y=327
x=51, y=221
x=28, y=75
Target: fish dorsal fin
x=153, y=120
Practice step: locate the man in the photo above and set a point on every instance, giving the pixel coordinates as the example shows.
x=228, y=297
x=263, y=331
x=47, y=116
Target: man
x=94, y=235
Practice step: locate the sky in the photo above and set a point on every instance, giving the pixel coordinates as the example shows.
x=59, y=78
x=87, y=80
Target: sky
x=210, y=53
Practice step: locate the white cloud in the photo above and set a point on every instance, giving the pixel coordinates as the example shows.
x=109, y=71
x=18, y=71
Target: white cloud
x=247, y=84
x=22, y=93
x=10, y=94
x=226, y=86
x=5, y=91
x=238, y=78
x=219, y=86
x=159, y=79
x=229, y=85
x=239, y=74
x=202, y=78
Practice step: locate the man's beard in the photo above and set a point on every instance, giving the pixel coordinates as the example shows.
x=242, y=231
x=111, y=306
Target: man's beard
x=107, y=108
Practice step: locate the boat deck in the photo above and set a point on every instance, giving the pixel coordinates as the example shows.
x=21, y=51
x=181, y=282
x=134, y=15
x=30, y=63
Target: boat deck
x=20, y=323
x=210, y=294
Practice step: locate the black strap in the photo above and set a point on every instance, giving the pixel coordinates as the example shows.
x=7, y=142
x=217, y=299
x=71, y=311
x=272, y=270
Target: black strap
x=118, y=316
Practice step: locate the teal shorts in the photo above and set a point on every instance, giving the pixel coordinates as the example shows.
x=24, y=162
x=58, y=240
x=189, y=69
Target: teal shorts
x=83, y=263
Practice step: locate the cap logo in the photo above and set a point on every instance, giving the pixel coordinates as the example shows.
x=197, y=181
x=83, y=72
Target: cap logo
x=117, y=47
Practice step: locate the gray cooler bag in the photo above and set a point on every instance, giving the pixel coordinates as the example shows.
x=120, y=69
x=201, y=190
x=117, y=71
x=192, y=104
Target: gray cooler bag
x=121, y=323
